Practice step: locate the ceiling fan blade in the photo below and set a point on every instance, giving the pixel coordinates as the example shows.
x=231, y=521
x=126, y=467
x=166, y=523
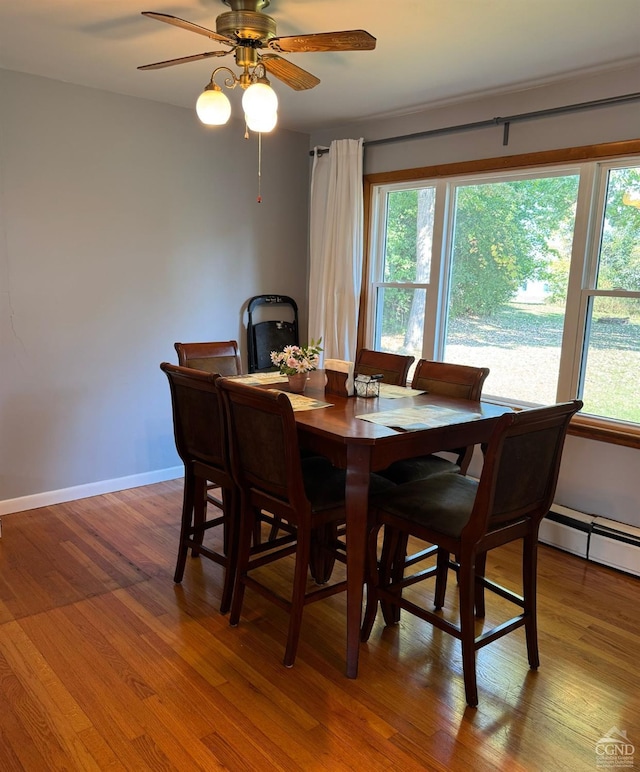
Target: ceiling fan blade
x=294, y=76
x=189, y=26
x=349, y=40
x=182, y=60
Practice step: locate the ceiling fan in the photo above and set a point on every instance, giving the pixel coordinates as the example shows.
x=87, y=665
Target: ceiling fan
x=252, y=36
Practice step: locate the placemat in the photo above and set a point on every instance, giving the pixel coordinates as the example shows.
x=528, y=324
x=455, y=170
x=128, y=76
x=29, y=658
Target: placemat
x=389, y=391
x=300, y=402
x=422, y=417
x=257, y=379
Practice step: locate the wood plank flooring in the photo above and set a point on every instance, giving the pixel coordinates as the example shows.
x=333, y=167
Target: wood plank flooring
x=105, y=664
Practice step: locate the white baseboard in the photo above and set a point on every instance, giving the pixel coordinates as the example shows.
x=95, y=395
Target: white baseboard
x=47, y=498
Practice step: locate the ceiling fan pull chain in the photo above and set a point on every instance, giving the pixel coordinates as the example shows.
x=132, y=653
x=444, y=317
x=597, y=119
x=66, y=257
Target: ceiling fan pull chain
x=259, y=166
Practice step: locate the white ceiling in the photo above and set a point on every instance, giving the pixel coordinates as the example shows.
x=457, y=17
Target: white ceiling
x=428, y=51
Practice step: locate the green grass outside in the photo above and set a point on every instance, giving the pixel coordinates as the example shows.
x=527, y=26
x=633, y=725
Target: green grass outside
x=534, y=332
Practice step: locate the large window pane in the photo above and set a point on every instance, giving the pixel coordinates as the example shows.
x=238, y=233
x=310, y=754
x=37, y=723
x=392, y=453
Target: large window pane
x=619, y=263
x=611, y=354
x=520, y=344
x=408, y=238
x=510, y=260
x=612, y=366
x=400, y=320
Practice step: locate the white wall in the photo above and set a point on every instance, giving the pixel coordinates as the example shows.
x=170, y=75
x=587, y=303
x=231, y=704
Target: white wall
x=125, y=225
x=596, y=477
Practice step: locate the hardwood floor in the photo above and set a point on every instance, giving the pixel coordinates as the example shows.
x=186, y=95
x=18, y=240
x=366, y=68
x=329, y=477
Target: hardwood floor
x=106, y=664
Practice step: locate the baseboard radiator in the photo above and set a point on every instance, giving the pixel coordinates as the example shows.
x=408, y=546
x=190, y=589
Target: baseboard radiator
x=594, y=538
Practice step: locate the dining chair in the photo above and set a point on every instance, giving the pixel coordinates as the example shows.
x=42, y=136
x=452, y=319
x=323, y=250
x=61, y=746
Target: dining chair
x=220, y=357
x=448, y=380
x=306, y=493
x=394, y=368
x=200, y=434
x=467, y=518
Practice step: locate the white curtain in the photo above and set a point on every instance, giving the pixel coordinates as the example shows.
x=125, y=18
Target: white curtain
x=336, y=223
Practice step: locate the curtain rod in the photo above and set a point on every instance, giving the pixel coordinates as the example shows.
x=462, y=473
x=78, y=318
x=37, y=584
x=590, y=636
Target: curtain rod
x=500, y=121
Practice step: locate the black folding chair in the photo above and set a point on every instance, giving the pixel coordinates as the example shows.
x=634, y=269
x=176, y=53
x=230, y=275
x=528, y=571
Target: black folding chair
x=269, y=335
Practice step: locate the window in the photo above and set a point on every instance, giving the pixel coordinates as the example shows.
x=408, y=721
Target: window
x=404, y=268
x=510, y=252
x=533, y=273
x=610, y=361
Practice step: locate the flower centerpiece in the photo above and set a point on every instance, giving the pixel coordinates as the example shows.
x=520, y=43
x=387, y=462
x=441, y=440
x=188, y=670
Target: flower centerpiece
x=297, y=362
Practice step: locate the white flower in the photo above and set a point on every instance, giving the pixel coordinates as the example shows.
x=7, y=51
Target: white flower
x=297, y=359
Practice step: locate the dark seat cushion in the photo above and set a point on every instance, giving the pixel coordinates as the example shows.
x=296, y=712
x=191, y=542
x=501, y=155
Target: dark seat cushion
x=324, y=483
x=419, y=468
x=442, y=503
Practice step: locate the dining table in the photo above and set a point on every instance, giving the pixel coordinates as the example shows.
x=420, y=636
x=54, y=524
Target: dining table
x=366, y=434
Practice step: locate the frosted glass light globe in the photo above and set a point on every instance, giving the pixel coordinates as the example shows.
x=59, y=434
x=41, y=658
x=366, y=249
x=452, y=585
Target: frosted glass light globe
x=213, y=107
x=259, y=99
x=261, y=123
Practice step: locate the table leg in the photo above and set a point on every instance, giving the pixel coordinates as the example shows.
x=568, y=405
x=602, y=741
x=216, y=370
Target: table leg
x=357, y=500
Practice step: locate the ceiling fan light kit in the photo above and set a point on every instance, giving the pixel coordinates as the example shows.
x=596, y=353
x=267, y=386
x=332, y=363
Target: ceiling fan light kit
x=246, y=30
x=259, y=101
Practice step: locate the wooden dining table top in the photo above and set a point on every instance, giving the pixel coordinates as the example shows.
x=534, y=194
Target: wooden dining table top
x=447, y=421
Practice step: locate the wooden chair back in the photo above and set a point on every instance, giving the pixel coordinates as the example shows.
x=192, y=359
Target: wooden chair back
x=264, y=451
x=450, y=380
x=198, y=420
x=393, y=367
x=520, y=470
x=220, y=357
